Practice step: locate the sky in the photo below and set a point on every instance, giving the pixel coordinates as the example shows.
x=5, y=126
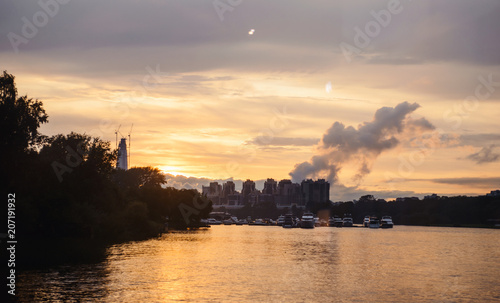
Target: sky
x=390, y=98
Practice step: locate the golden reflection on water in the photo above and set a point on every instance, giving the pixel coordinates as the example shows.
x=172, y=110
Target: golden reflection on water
x=252, y=263
x=262, y=264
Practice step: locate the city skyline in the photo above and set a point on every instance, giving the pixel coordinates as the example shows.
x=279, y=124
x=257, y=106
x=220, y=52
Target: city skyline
x=390, y=98
x=284, y=193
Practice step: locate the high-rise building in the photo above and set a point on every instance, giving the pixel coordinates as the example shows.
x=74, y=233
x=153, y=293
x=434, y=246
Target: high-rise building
x=213, y=192
x=248, y=187
x=289, y=193
x=122, y=161
x=270, y=187
x=283, y=186
x=283, y=194
x=315, y=192
x=228, y=188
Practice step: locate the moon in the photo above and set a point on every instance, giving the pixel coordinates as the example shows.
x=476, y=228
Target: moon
x=328, y=87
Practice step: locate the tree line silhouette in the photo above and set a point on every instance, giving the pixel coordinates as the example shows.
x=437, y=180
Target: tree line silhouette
x=478, y=211
x=68, y=192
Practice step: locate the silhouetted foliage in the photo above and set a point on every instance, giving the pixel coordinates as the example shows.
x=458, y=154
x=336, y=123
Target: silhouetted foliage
x=20, y=118
x=444, y=211
x=68, y=191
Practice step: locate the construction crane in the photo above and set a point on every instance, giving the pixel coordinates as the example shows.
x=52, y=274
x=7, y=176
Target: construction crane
x=129, y=140
x=116, y=134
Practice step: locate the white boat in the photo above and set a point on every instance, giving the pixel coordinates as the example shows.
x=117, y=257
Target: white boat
x=307, y=220
x=280, y=221
x=347, y=222
x=331, y=222
x=366, y=221
x=288, y=221
x=241, y=222
x=212, y=221
x=335, y=222
x=386, y=222
x=374, y=222
x=258, y=222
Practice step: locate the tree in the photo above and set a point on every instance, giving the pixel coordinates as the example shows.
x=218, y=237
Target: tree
x=139, y=177
x=20, y=118
x=89, y=157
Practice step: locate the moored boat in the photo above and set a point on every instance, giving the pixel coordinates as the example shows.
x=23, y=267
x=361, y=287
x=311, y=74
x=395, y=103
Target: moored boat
x=317, y=222
x=307, y=220
x=374, y=222
x=366, y=221
x=280, y=221
x=258, y=222
x=335, y=222
x=347, y=222
x=241, y=222
x=288, y=221
x=386, y=222
x=212, y=221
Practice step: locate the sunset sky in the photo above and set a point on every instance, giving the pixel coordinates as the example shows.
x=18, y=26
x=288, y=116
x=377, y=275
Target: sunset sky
x=247, y=89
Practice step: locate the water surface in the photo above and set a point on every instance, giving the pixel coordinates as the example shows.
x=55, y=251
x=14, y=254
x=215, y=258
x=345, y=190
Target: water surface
x=268, y=263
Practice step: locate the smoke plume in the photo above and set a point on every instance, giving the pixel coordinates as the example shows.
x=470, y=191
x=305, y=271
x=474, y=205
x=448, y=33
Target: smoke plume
x=341, y=144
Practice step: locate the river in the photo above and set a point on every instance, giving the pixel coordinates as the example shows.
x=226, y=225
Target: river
x=270, y=263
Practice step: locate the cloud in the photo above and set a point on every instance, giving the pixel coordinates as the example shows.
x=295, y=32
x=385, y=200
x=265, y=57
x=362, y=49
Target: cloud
x=180, y=181
x=424, y=31
x=284, y=141
x=340, y=192
x=341, y=144
x=493, y=182
x=480, y=139
x=485, y=155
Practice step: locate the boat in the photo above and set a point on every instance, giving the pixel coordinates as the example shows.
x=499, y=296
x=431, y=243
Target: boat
x=347, y=222
x=374, y=222
x=269, y=221
x=241, y=222
x=212, y=221
x=317, y=222
x=296, y=222
x=366, y=221
x=203, y=223
x=331, y=222
x=258, y=222
x=288, y=221
x=337, y=222
x=307, y=220
x=280, y=221
x=228, y=222
x=386, y=222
